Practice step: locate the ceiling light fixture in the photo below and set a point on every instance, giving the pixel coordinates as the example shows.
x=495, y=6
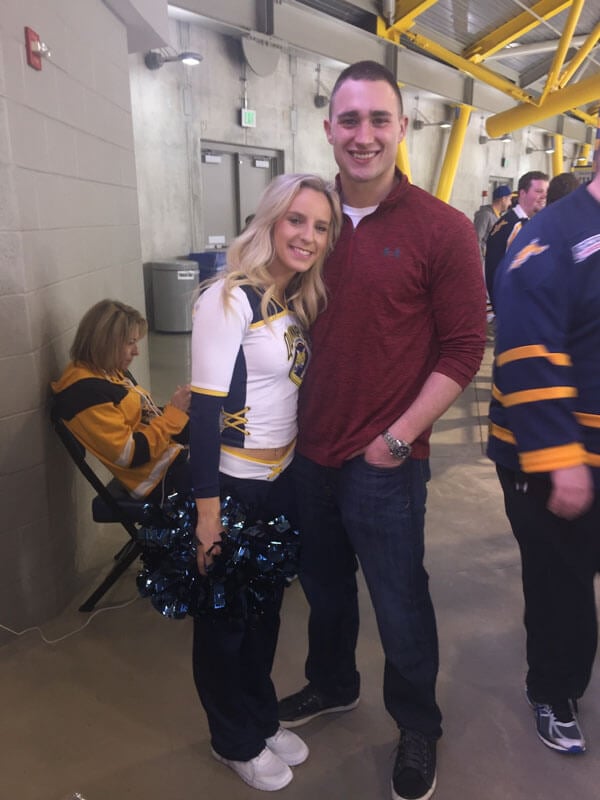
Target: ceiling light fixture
x=154, y=59
x=419, y=124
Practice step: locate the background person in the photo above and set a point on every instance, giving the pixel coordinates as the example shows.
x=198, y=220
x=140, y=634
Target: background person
x=545, y=440
x=561, y=185
x=485, y=219
x=249, y=356
x=111, y=415
x=487, y=215
x=402, y=335
x=531, y=192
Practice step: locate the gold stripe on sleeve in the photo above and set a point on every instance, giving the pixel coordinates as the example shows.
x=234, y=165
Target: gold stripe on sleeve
x=502, y=433
x=210, y=392
x=533, y=351
x=567, y=455
x=535, y=395
x=588, y=420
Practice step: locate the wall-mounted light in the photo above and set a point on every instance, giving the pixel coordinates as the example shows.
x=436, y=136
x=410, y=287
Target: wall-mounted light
x=419, y=124
x=549, y=149
x=322, y=95
x=506, y=137
x=154, y=59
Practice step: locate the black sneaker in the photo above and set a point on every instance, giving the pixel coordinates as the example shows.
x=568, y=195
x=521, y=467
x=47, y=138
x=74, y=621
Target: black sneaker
x=307, y=704
x=557, y=725
x=414, y=771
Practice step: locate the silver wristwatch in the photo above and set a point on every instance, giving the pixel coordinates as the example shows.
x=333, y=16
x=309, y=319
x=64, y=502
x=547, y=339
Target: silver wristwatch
x=398, y=449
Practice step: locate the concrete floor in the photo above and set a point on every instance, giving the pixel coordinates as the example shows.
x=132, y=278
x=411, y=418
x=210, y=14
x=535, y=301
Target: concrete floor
x=111, y=712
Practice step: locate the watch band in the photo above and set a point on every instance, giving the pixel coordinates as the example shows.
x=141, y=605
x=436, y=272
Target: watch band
x=398, y=448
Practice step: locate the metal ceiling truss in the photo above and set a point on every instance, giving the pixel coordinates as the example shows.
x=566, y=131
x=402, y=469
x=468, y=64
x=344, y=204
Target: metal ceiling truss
x=557, y=96
x=514, y=29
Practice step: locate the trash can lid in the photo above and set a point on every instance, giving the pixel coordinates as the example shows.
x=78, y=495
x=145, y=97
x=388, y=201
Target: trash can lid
x=175, y=265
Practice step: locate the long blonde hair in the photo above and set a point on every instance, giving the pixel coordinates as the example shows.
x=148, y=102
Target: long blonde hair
x=250, y=254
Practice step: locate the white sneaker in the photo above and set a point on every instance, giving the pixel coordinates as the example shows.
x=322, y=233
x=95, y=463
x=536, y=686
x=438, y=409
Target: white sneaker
x=288, y=746
x=265, y=771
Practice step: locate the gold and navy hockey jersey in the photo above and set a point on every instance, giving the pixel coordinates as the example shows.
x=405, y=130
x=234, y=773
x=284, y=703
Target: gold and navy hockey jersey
x=116, y=420
x=545, y=409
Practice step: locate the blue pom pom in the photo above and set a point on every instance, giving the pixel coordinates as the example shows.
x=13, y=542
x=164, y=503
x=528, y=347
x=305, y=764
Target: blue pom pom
x=255, y=562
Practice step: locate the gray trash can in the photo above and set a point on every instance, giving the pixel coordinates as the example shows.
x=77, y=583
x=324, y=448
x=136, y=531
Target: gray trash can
x=174, y=284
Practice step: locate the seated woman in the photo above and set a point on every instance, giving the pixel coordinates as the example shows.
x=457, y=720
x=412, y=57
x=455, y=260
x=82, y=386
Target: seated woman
x=114, y=418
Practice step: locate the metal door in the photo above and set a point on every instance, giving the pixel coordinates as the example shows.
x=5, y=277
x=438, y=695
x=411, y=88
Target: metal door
x=255, y=172
x=219, y=206
x=233, y=178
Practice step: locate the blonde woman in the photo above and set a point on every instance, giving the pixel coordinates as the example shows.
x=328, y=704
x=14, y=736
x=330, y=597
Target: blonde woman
x=115, y=418
x=249, y=355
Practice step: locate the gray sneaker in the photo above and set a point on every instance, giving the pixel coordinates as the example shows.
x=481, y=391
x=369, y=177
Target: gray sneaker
x=557, y=725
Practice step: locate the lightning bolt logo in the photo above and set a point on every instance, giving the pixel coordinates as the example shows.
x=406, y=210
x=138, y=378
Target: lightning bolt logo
x=532, y=249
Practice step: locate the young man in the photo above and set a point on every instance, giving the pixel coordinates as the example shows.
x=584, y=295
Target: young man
x=485, y=219
x=402, y=335
x=545, y=440
x=532, y=189
x=487, y=215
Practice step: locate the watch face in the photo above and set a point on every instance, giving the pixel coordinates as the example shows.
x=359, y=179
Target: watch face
x=398, y=448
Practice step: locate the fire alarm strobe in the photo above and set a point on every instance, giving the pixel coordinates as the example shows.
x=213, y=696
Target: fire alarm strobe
x=33, y=49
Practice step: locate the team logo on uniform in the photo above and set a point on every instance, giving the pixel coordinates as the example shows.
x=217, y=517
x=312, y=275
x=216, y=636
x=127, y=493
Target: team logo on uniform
x=531, y=249
x=586, y=248
x=297, y=353
x=498, y=226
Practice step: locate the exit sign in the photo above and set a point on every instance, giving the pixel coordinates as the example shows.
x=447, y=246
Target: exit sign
x=248, y=118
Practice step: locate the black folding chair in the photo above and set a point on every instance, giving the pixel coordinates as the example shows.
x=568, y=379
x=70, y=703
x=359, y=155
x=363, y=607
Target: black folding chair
x=112, y=504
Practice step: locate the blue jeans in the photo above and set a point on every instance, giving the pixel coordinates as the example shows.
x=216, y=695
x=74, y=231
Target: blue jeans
x=378, y=516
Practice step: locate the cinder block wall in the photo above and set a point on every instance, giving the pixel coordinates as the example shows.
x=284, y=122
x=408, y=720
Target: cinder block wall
x=69, y=235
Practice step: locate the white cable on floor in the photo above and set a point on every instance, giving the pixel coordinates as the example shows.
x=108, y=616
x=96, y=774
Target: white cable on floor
x=72, y=633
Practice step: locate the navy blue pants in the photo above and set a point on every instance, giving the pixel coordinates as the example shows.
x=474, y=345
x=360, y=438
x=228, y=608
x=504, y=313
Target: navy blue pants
x=378, y=516
x=232, y=659
x=559, y=561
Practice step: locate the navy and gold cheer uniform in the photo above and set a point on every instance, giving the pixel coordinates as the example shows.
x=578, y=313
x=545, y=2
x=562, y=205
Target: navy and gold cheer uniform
x=249, y=383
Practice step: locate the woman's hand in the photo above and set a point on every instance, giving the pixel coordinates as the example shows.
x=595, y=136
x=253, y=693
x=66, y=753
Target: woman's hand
x=208, y=531
x=181, y=398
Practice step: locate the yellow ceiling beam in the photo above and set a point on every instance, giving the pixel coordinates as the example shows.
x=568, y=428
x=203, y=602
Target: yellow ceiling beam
x=561, y=50
x=476, y=70
x=557, y=155
x=589, y=119
x=402, y=161
x=453, y=152
x=578, y=59
x=578, y=94
x=514, y=28
x=407, y=13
